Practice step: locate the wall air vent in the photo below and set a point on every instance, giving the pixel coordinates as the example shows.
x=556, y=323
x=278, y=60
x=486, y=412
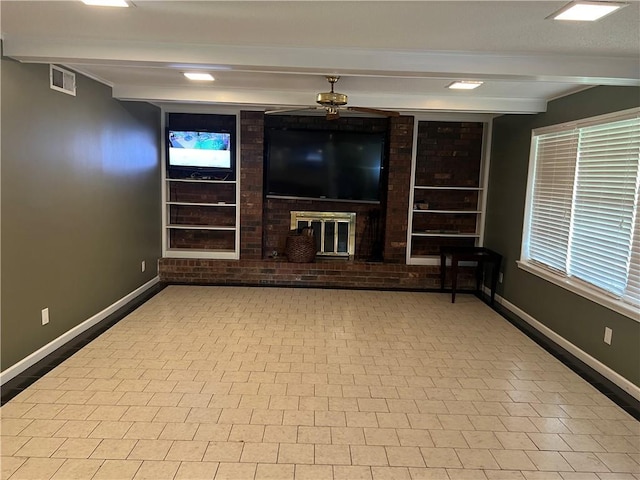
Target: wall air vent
x=62, y=80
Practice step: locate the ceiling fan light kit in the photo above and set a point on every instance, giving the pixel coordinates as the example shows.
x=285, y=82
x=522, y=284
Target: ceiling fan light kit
x=332, y=99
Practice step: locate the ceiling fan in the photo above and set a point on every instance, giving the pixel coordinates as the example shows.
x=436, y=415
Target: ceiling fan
x=333, y=102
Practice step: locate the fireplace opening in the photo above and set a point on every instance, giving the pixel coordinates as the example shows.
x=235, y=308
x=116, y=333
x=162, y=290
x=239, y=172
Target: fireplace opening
x=334, y=232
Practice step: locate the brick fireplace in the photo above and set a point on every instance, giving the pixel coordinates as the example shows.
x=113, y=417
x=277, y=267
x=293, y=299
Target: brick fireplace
x=380, y=229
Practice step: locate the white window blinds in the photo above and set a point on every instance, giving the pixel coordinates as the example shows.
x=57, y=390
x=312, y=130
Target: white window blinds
x=583, y=212
x=552, y=198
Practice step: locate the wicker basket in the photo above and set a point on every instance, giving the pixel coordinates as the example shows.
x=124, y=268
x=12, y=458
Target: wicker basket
x=301, y=246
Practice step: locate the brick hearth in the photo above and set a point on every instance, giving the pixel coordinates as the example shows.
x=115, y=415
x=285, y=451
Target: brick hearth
x=321, y=273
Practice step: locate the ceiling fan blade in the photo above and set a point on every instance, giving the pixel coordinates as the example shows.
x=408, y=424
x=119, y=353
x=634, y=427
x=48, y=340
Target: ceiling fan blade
x=375, y=111
x=286, y=110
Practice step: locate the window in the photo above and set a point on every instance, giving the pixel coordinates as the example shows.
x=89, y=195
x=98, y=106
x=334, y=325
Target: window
x=582, y=227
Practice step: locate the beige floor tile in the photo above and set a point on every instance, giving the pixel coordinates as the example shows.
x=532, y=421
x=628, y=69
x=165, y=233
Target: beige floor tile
x=223, y=452
x=259, y=453
x=157, y=470
x=448, y=439
x=8, y=465
x=390, y=473
x=196, y=471
x=332, y=455
x=114, y=449
x=440, y=457
x=314, y=472
x=414, y=438
x=368, y=455
x=549, y=461
x=77, y=448
x=275, y=472
x=405, y=457
x=295, y=453
x=392, y=420
x=430, y=474
x=13, y=426
x=235, y=415
x=203, y=414
x=236, y=471
x=10, y=445
x=476, y=458
x=481, y=439
x=351, y=472
x=141, y=414
x=212, y=432
x=145, y=430
x=347, y=436
x=585, y=462
x=40, y=447
x=513, y=460
x=515, y=440
x=372, y=405
x=150, y=450
x=42, y=428
x=40, y=468
x=246, y=433
x=187, y=451
x=179, y=431
x=314, y=435
x=619, y=462
x=77, y=469
x=280, y=434
x=267, y=416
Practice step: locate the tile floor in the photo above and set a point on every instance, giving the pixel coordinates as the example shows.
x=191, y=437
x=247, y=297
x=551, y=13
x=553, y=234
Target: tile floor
x=277, y=383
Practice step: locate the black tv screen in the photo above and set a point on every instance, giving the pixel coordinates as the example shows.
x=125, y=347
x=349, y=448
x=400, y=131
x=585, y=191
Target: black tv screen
x=333, y=165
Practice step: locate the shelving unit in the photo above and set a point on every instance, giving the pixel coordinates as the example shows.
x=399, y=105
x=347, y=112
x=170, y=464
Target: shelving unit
x=201, y=218
x=446, y=197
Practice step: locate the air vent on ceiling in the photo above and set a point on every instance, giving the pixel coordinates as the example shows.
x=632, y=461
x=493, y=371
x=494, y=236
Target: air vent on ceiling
x=62, y=80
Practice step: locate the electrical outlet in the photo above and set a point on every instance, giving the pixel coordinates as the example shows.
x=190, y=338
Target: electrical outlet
x=143, y=265
x=45, y=316
x=500, y=277
x=607, y=335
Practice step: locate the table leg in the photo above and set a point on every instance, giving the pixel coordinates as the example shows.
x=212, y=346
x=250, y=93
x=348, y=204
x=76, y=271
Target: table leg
x=443, y=270
x=494, y=277
x=454, y=277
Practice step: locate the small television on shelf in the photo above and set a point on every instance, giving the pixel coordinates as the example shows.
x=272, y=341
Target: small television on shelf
x=325, y=165
x=199, y=152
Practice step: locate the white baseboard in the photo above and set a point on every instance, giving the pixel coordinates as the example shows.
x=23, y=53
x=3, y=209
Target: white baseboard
x=594, y=363
x=17, y=368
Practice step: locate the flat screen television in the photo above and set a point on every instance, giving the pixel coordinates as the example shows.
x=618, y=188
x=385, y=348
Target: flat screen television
x=331, y=165
x=199, y=151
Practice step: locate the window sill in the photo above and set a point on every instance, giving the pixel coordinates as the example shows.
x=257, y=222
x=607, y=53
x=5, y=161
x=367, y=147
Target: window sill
x=581, y=289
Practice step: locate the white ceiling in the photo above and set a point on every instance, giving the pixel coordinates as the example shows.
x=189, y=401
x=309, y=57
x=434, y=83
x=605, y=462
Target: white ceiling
x=390, y=54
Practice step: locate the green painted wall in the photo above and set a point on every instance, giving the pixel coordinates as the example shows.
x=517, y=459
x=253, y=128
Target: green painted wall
x=80, y=197
x=575, y=318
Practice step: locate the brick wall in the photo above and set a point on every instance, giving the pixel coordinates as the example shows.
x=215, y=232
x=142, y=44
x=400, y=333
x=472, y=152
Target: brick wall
x=448, y=154
x=327, y=273
x=277, y=219
x=251, y=180
x=399, y=174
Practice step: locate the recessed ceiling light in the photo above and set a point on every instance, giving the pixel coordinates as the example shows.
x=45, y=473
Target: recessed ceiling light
x=586, y=11
x=199, y=76
x=106, y=3
x=464, y=85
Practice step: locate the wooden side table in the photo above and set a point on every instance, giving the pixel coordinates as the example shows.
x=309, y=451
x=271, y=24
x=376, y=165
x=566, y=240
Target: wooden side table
x=480, y=255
